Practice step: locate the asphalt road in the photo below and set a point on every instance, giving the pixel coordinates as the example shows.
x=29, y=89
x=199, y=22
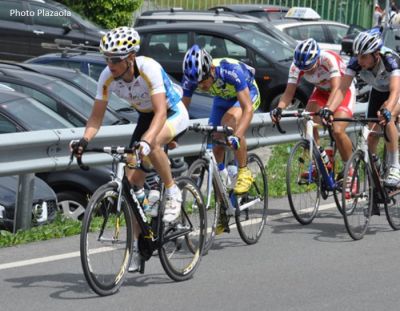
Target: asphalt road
x=293, y=267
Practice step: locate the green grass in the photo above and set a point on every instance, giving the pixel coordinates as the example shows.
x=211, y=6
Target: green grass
x=61, y=227
x=276, y=170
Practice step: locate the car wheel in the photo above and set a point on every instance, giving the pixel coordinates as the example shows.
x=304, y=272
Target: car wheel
x=72, y=204
x=295, y=104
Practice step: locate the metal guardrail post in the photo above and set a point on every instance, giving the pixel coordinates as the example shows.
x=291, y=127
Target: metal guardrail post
x=23, y=211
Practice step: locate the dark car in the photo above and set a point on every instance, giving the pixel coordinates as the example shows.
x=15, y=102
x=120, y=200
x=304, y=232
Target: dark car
x=217, y=16
x=25, y=24
x=80, y=81
x=44, y=202
x=93, y=64
x=268, y=12
x=168, y=44
x=62, y=98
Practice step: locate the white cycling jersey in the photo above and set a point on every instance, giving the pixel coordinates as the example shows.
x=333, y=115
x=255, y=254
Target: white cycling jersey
x=330, y=65
x=150, y=78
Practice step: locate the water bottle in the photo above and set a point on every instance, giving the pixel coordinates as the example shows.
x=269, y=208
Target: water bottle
x=329, y=152
x=224, y=174
x=232, y=172
x=325, y=158
x=154, y=201
x=141, y=196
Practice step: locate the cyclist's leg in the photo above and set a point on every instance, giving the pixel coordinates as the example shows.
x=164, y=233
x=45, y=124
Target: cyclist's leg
x=177, y=122
x=316, y=101
x=376, y=100
x=393, y=177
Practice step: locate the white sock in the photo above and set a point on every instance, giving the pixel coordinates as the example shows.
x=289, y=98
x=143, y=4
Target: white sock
x=393, y=158
x=172, y=191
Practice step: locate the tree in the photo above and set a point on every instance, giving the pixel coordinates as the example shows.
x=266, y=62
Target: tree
x=106, y=13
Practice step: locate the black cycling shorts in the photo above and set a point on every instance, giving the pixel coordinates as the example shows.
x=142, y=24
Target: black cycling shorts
x=376, y=100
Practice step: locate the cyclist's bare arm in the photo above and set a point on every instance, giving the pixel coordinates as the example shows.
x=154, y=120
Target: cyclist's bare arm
x=95, y=119
x=394, y=88
x=287, y=96
x=159, y=103
x=247, y=112
x=335, y=85
x=337, y=96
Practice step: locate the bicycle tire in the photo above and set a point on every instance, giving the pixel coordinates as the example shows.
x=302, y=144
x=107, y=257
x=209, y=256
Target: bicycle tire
x=392, y=210
x=250, y=221
x=182, y=242
x=297, y=186
x=357, y=206
x=106, y=232
x=337, y=167
x=198, y=172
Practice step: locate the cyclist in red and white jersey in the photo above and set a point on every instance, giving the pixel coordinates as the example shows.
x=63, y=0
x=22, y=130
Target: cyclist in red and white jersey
x=324, y=69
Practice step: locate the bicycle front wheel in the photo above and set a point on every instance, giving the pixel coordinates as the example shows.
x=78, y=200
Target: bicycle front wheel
x=198, y=171
x=357, y=196
x=182, y=242
x=303, y=183
x=106, y=241
x=392, y=210
x=251, y=209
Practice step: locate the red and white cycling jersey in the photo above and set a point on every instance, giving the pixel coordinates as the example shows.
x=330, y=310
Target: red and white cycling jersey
x=329, y=65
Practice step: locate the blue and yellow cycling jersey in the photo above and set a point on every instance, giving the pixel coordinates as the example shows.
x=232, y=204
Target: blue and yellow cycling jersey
x=231, y=77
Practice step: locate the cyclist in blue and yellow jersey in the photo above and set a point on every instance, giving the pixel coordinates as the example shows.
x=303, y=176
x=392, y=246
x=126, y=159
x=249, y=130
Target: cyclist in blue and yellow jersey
x=236, y=97
x=162, y=115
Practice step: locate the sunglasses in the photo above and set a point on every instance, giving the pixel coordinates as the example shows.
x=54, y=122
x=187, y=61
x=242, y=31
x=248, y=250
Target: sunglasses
x=114, y=59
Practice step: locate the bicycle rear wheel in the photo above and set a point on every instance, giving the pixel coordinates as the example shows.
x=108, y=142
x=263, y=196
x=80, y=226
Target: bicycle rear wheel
x=106, y=241
x=392, y=210
x=357, y=200
x=182, y=241
x=303, y=190
x=251, y=208
x=198, y=171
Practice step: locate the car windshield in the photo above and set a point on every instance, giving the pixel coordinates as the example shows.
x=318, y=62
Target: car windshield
x=35, y=115
x=266, y=45
x=90, y=85
x=77, y=100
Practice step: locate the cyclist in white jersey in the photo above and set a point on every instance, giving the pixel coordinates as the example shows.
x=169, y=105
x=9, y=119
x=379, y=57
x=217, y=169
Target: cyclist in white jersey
x=324, y=69
x=162, y=115
x=380, y=68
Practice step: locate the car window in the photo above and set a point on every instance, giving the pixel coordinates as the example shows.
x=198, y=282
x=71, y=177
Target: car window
x=6, y=126
x=7, y=7
x=38, y=116
x=47, y=18
x=95, y=70
x=307, y=31
x=337, y=33
x=266, y=45
x=64, y=63
x=219, y=47
x=168, y=46
x=392, y=39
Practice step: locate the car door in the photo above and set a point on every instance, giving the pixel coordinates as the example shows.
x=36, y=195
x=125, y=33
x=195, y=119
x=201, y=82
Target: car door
x=14, y=31
x=8, y=126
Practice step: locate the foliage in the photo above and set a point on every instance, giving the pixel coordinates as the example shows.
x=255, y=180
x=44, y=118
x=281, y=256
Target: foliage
x=276, y=170
x=59, y=228
x=106, y=13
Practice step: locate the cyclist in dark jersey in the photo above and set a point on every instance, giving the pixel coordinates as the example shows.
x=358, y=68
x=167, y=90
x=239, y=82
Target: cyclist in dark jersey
x=236, y=97
x=379, y=67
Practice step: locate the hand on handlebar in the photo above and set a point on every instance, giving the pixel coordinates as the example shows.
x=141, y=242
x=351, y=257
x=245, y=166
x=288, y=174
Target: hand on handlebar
x=144, y=148
x=77, y=147
x=326, y=116
x=233, y=142
x=276, y=114
x=385, y=116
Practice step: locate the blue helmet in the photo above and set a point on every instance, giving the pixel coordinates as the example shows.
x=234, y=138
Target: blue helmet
x=368, y=42
x=196, y=64
x=306, y=54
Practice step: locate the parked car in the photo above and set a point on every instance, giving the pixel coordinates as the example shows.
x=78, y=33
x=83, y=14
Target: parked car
x=301, y=26
x=93, y=64
x=44, y=202
x=217, y=16
x=168, y=44
x=62, y=98
x=80, y=81
x=21, y=34
x=268, y=12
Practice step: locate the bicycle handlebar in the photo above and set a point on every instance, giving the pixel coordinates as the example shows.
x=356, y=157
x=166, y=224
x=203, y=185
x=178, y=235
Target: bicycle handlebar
x=197, y=127
x=300, y=113
x=364, y=121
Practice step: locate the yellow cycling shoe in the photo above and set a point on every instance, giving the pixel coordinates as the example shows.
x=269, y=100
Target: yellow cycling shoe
x=219, y=229
x=244, y=181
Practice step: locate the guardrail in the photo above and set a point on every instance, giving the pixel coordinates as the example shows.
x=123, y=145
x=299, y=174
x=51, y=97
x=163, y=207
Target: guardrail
x=42, y=151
